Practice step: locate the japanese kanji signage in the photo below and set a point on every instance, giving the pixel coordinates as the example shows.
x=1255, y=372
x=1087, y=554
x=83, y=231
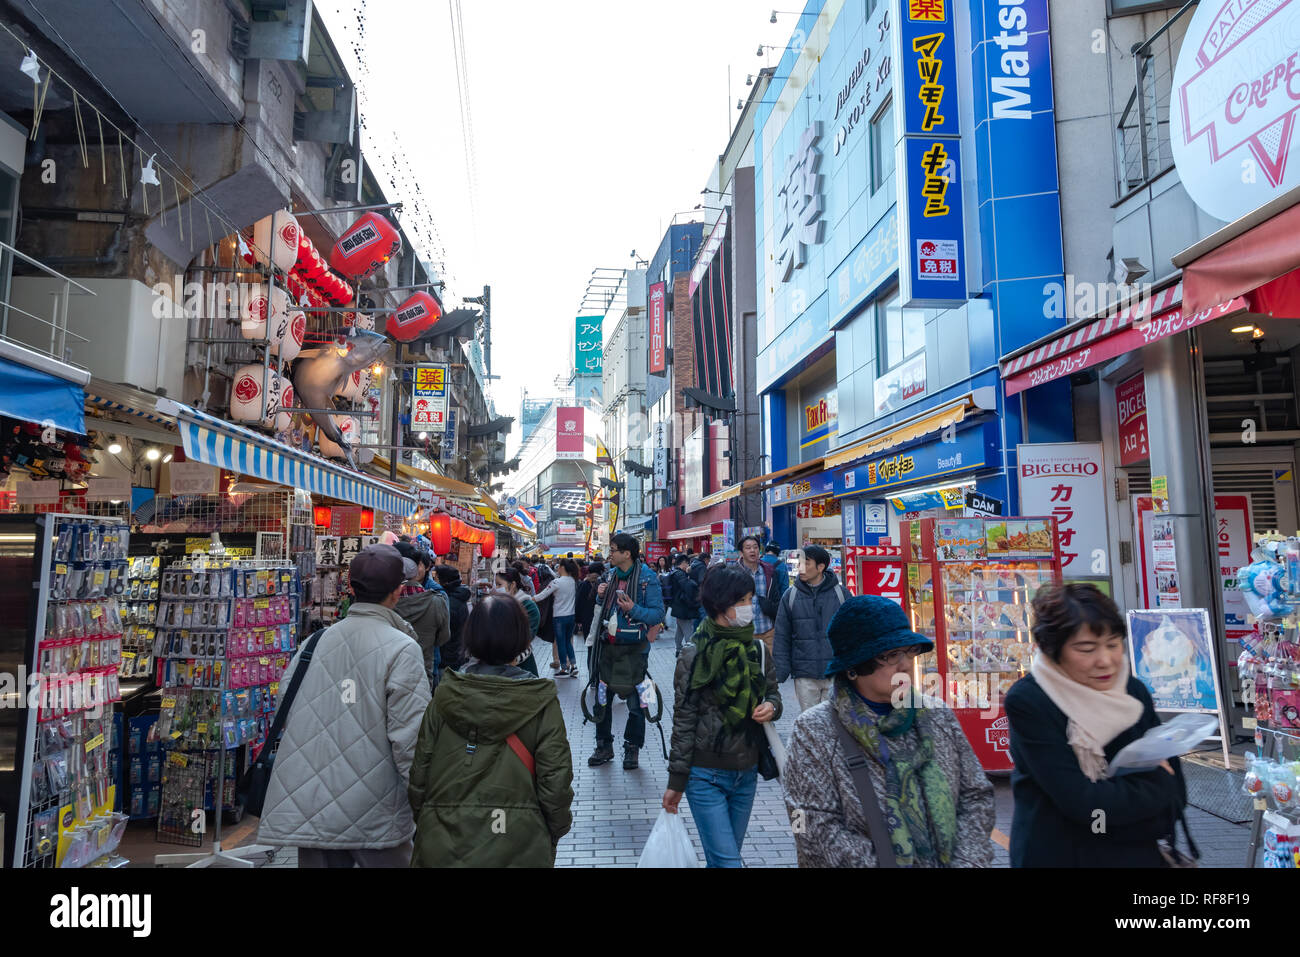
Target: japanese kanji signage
x=569, y=440
x=588, y=345
x=1233, y=542
x=799, y=205
x=887, y=579
x=658, y=349
x=1131, y=408
x=429, y=399
x=1067, y=481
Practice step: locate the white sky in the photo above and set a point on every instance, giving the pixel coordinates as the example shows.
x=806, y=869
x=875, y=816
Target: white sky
x=595, y=121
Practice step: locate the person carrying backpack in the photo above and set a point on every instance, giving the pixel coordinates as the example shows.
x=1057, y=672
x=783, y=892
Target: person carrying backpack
x=685, y=602
x=801, y=646
x=767, y=588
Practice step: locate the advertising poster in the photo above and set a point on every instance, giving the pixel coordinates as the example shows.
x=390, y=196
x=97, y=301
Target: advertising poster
x=1067, y=482
x=429, y=398
x=569, y=435
x=1172, y=653
x=1131, y=409
x=1232, y=535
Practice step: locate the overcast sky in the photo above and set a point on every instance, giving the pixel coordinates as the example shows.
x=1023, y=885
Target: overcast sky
x=594, y=121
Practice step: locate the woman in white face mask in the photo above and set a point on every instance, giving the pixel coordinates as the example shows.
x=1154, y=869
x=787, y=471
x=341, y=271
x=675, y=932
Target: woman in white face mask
x=725, y=690
x=510, y=582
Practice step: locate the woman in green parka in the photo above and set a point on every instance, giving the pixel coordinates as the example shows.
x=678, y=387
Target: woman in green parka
x=492, y=780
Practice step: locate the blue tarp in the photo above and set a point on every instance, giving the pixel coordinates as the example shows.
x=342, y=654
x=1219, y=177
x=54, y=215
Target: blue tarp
x=35, y=396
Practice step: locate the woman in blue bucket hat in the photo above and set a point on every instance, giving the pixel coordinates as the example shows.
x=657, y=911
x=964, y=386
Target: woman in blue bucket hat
x=878, y=776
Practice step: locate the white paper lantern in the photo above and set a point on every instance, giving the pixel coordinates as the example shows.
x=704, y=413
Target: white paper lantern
x=256, y=310
x=284, y=416
x=358, y=320
x=247, y=397
x=277, y=235
x=356, y=384
x=286, y=338
x=350, y=429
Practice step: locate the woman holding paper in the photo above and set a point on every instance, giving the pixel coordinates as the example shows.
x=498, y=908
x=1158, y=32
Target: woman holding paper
x=1070, y=716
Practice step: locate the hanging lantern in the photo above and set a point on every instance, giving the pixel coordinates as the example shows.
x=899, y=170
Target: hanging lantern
x=276, y=239
x=247, y=402
x=346, y=293
x=322, y=515
x=284, y=415
x=348, y=428
x=489, y=546
x=261, y=312
x=368, y=520
x=414, y=317
x=289, y=343
x=366, y=246
x=305, y=249
x=440, y=533
x=355, y=385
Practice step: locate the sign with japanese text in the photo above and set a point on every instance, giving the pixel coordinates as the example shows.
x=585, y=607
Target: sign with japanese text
x=1172, y=653
x=1068, y=482
x=569, y=435
x=814, y=486
x=800, y=204
x=864, y=270
x=429, y=398
x=1232, y=542
x=192, y=478
x=888, y=579
x=449, y=437
x=108, y=490
x=929, y=77
x=971, y=449
x=900, y=385
x=657, y=301
x=588, y=345
x=1131, y=409
x=849, y=521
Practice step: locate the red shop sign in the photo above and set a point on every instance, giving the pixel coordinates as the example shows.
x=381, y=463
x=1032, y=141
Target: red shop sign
x=1131, y=408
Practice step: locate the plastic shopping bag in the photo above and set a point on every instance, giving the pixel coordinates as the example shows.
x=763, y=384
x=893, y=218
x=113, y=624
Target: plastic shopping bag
x=669, y=844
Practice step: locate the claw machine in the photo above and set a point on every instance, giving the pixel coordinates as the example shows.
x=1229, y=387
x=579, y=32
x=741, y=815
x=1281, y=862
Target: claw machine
x=969, y=585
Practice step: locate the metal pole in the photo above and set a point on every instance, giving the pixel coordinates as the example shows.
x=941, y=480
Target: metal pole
x=346, y=209
x=395, y=437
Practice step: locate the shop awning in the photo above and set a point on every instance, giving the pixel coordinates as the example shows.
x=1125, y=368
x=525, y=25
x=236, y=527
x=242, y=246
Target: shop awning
x=431, y=479
x=35, y=393
x=934, y=421
x=223, y=444
x=722, y=495
x=126, y=399
x=699, y=531
x=1219, y=268
x=771, y=478
x=1090, y=343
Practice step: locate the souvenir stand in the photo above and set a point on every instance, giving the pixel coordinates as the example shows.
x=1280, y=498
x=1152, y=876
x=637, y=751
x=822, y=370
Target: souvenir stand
x=1269, y=669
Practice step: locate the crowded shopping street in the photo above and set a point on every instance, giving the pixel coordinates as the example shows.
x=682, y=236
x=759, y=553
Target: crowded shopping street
x=428, y=439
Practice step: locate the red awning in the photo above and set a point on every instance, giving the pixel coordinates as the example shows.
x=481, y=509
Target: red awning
x=1100, y=340
x=1249, y=264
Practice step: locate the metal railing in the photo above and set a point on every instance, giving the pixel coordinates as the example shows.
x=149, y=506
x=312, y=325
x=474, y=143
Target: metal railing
x=58, y=322
x=1142, y=145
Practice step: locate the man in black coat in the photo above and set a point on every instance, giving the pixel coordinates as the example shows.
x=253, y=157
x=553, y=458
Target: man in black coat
x=458, y=596
x=685, y=602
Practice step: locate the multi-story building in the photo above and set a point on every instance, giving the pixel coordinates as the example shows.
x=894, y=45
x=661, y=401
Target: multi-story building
x=623, y=389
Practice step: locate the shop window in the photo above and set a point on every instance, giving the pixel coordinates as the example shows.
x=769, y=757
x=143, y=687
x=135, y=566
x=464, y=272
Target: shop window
x=882, y=146
x=902, y=332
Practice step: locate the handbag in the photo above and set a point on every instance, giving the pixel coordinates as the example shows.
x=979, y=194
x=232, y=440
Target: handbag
x=857, y=761
x=251, y=792
x=771, y=752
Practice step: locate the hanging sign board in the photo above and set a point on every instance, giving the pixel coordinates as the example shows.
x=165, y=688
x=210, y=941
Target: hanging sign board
x=1067, y=482
x=429, y=399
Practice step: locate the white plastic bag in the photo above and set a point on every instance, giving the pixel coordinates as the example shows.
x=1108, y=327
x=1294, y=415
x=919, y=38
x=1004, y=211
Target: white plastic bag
x=669, y=844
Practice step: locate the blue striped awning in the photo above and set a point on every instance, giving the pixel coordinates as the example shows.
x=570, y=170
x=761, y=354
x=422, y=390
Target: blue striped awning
x=215, y=441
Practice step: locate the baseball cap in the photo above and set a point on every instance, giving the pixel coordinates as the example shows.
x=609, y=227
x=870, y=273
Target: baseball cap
x=376, y=572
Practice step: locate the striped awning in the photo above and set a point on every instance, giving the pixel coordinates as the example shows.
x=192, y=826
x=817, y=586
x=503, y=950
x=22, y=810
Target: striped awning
x=131, y=401
x=223, y=444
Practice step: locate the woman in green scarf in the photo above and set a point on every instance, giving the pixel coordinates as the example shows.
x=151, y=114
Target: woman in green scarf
x=725, y=690
x=931, y=801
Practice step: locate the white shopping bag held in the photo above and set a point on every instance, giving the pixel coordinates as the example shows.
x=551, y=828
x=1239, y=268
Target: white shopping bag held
x=669, y=844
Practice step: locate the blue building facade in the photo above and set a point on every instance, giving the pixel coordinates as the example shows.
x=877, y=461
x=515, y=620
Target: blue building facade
x=908, y=220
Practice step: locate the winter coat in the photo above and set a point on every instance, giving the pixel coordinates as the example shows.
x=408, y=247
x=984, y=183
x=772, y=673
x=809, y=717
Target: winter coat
x=686, y=596
x=584, y=604
x=698, y=570
x=453, y=653
x=340, y=775
x=1057, y=809
x=427, y=615
x=800, y=645
x=831, y=828
x=647, y=609
x=666, y=587
x=700, y=739
x=465, y=774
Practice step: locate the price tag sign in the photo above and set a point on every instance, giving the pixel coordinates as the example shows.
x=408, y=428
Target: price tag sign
x=201, y=727
x=95, y=742
x=262, y=604
x=264, y=661
x=60, y=569
x=169, y=703
x=1249, y=724
x=99, y=577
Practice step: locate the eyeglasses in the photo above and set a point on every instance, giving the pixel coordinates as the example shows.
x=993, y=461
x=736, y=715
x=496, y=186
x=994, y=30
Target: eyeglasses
x=894, y=657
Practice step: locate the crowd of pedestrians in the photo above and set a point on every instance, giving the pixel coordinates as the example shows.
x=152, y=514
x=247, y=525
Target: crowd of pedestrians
x=419, y=731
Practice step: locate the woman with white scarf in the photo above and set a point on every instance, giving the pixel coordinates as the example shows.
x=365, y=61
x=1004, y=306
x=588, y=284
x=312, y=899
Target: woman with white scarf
x=1069, y=717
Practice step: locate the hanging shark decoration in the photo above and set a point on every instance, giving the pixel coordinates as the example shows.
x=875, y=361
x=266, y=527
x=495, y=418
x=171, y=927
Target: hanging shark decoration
x=320, y=374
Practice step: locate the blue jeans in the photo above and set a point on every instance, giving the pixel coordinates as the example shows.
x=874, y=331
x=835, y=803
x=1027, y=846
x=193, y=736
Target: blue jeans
x=720, y=803
x=564, y=641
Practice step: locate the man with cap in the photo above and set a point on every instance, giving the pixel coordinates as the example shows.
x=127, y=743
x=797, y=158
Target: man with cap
x=338, y=787
x=935, y=802
x=426, y=612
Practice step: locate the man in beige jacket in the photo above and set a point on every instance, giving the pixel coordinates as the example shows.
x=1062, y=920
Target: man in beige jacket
x=338, y=789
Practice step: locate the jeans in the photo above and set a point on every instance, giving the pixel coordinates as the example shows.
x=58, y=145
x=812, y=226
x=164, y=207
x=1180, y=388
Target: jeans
x=812, y=691
x=564, y=641
x=720, y=803
x=685, y=630
x=633, y=733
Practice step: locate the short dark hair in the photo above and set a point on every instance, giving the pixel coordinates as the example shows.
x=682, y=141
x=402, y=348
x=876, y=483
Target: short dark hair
x=758, y=542
x=512, y=576
x=1061, y=610
x=596, y=568
x=626, y=543
x=497, y=630
x=818, y=554
x=772, y=548
x=724, y=586
x=681, y=558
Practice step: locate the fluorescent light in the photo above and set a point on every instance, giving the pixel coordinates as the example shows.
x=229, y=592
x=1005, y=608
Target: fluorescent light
x=1248, y=327
x=167, y=457
x=114, y=448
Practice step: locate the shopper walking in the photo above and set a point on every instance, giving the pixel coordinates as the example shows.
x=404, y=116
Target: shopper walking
x=686, y=603
x=492, y=781
x=563, y=590
x=723, y=694
x=767, y=590
x=772, y=555
x=338, y=786
x=510, y=582
x=1069, y=717
x=458, y=597
x=584, y=607
x=933, y=802
x=803, y=616
x=631, y=612
x=425, y=612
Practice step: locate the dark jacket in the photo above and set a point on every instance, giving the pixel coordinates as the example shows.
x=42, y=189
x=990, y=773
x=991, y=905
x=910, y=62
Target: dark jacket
x=647, y=609
x=699, y=738
x=427, y=614
x=1061, y=818
x=666, y=586
x=800, y=645
x=698, y=568
x=686, y=596
x=465, y=774
x=584, y=604
x=453, y=653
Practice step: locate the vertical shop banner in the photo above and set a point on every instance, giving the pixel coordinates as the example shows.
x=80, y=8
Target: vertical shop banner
x=588, y=345
x=449, y=437
x=932, y=233
x=429, y=398
x=1172, y=650
x=888, y=579
x=1233, y=541
x=569, y=436
x=658, y=310
x=1067, y=482
x=849, y=522
x=1131, y=409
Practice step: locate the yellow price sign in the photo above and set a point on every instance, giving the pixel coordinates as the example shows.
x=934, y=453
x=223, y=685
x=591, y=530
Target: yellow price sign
x=168, y=703
x=95, y=742
x=201, y=727
x=262, y=604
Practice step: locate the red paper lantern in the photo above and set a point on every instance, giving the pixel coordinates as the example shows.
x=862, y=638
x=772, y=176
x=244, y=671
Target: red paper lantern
x=440, y=533
x=366, y=246
x=368, y=520
x=305, y=249
x=414, y=317
x=489, y=547
x=323, y=515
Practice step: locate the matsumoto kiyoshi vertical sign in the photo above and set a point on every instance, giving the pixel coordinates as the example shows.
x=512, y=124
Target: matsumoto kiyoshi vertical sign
x=588, y=345
x=932, y=225
x=429, y=399
x=1067, y=481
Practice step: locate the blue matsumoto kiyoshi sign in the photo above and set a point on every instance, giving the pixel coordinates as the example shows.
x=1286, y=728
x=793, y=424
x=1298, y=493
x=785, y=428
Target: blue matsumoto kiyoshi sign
x=970, y=450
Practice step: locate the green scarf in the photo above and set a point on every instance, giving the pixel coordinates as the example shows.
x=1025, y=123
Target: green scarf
x=919, y=809
x=726, y=660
